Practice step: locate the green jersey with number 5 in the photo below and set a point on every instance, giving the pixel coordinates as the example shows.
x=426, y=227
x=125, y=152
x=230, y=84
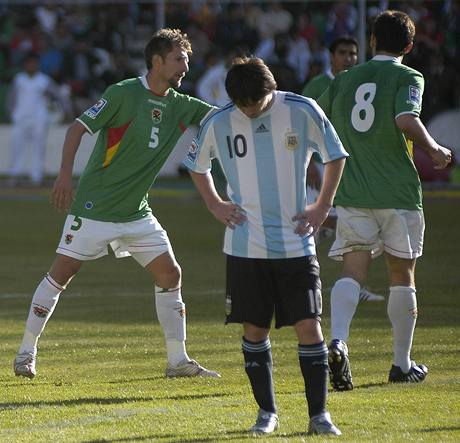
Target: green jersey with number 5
x=137, y=132
x=362, y=104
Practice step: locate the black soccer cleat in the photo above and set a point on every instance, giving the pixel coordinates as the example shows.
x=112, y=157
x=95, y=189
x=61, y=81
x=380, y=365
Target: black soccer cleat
x=417, y=373
x=339, y=366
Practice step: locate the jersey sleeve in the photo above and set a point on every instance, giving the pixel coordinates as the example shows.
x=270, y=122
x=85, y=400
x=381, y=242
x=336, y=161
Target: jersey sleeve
x=323, y=137
x=195, y=110
x=102, y=113
x=409, y=95
x=202, y=150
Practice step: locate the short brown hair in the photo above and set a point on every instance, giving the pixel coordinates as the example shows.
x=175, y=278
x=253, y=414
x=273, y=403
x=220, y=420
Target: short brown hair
x=393, y=31
x=163, y=42
x=249, y=80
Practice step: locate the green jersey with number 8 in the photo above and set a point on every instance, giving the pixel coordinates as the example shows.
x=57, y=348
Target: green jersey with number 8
x=362, y=104
x=138, y=131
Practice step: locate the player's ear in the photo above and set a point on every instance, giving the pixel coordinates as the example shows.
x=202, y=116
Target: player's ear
x=408, y=48
x=157, y=61
x=373, y=42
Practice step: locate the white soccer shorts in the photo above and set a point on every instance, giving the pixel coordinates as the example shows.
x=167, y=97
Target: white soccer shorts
x=85, y=239
x=398, y=232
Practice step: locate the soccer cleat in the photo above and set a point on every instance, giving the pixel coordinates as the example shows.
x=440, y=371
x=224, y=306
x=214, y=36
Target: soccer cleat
x=322, y=424
x=24, y=365
x=366, y=295
x=266, y=423
x=339, y=366
x=417, y=373
x=190, y=368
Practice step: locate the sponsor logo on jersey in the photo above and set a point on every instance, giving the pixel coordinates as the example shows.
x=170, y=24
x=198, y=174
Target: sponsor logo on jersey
x=96, y=108
x=156, y=115
x=261, y=129
x=68, y=239
x=89, y=205
x=40, y=311
x=291, y=140
x=192, y=151
x=415, y=97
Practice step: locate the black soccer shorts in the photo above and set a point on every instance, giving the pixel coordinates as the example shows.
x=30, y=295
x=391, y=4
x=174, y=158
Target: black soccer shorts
x=257, y=288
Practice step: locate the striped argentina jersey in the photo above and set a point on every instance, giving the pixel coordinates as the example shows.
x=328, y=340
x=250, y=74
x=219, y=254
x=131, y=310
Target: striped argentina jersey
x=265, y=160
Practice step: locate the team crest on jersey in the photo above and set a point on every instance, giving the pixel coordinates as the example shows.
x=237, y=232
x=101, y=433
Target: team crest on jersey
x=96, y=108
x=68, y=239
x=192, y=151
x=156, y=115
x=291, y=140
x=415, y=97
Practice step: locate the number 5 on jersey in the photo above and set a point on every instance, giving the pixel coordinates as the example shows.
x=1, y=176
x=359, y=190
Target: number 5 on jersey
x=154, y=139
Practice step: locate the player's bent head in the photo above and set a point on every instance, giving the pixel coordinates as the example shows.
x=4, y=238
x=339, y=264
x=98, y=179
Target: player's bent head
x=163, y=42
x=248, y=81
x=393, y=31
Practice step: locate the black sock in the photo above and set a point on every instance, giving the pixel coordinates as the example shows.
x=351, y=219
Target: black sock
x=314, y=367
x=258, y=364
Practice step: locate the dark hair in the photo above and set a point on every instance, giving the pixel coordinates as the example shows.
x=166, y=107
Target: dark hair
x=249, y=80
x=343, y=40
x=393, y=31
x=163, y=42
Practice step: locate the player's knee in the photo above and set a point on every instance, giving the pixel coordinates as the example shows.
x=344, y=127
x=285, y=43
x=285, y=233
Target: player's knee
x=171, y=277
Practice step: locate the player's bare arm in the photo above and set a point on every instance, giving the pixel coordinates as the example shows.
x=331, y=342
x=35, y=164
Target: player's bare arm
x=62, y=194
x=225, y=211
x=311, y=219
x=414, y=129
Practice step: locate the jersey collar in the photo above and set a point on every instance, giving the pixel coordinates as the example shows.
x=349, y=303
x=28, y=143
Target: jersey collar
x=143, y=80
x=386, y=58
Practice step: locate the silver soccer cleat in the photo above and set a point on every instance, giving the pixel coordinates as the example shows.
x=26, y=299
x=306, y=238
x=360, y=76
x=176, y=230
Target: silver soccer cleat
x=24, y=365
x=189, y=369
x=322, y=424
x=266, y=423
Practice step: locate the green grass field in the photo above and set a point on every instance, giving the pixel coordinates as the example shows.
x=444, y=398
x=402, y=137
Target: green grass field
x=102, y=358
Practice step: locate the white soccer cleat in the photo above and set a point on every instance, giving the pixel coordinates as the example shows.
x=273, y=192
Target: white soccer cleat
x=366, y=295
x=189, y=368
x=266, y=423
x=322, y=424
x=24, y=365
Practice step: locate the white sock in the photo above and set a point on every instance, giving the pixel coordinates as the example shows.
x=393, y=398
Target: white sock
x=402, y=311
x=344, y=299
x=171, y=315
x=43, y=303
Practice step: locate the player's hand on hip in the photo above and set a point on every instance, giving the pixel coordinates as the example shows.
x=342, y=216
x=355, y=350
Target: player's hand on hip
x=311, y=219
x=62, y=194
x=229, y=214
x=442, y=157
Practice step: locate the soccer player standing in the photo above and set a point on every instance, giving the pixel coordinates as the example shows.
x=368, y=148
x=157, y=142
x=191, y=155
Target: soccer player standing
x=139, y=122
x=263, y=140
x=375, y=108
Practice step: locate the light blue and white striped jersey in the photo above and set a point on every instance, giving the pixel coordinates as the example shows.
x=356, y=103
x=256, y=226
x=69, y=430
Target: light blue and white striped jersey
x=265, y=162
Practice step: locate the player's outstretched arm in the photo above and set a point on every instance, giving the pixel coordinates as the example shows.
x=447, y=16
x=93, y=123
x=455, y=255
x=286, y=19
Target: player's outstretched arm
x=62, y=194
x=225, y=211
x=414, y=129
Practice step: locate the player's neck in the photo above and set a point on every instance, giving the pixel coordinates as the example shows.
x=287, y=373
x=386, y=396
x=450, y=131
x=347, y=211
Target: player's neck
x=156, y=85
x=389, y=54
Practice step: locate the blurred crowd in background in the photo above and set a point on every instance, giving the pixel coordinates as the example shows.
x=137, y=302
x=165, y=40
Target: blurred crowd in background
x=86, y=46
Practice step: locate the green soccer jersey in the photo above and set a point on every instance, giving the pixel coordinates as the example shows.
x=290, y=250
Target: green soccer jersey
x=362, y=104
x=138, y=131
x=317, y=85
